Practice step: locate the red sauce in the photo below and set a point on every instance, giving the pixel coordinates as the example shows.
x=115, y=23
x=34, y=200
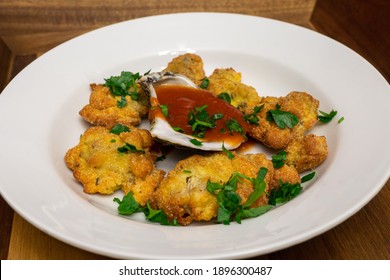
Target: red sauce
x=181, y=100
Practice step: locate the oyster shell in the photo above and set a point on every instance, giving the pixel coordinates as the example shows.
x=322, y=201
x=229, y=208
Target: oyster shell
x=160, y=127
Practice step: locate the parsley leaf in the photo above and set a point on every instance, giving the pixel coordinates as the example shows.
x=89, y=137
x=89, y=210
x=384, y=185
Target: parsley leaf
x=225, y=96
x=229, y=202
x=282, y=119
x=205, y=83
x=196, y=142
x=234, y=126
x=200, y=120
x=279, y=159
x=326, y=117
x=157, y=216
x=227, y=152
x=119, y=128
x=129, y=148
x=164, y=110
x=307, y=177
x=284, y=192
x=253, y=118
x=128, y=206
x=123, y=85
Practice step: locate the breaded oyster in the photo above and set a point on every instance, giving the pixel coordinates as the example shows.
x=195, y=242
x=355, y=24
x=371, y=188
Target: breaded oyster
x=300, y=104
x=105, y=109
x=307, y=152
x=183, y=196
x=228, y=81
x=105, y=162
x=189, y=65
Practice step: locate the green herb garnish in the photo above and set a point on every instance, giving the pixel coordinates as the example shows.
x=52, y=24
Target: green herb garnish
x=284, y=192
x=128, y=206
x=282, y=119
x=234, y=126
x=227, y=152
x=229, y=202
x=253, y=118
x=119, y=128
x=164, y=110
x=129, y=148
x=307, y=177
x=200, y=120
x=225, y=96
x=123, y=85
x=326, y=117
x=177, y=129
x=205, y=83
x=279, y=159
x=196, y=142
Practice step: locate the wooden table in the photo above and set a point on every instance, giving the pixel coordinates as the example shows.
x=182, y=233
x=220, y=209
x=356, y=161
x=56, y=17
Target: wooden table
x=29, y=28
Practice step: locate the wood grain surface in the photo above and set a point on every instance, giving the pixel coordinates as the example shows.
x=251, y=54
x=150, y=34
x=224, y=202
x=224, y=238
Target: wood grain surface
x=30, y=28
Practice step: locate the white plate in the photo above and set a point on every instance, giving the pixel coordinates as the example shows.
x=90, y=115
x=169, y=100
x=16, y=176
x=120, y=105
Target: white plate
x=39, y=122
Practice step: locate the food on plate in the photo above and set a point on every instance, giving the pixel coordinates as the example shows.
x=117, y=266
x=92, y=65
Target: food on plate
x=183, y=194
x=282, y=119
x=126, y=107
x=189, y=65
x=211, y=116
x=108, y=160
x=307, y=152
x=227, y=82
x=183, y=114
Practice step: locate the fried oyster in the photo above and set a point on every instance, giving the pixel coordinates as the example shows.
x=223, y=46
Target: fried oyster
x=103, y=108
x=183, y=196
x=301, y=104
x=104, y=162
x=189, y=65
x=228, y=81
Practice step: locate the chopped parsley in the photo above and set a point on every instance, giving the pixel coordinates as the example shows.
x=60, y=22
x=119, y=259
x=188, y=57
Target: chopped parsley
x=129, y=148
x=205, y=83
x=287, y=191
x=234, y=126
x=124, y=85
x=284, y=192
x=279, y=159
x=128, y=206
x=253, y=118
x=307, y=177
x=326, y=117
x=196, y=142
x=177, y=129
x=225, y=96
x=282, y=119
x=227, y=152
x=229, y=202
x=119, y=128
x=200, y=120
x=164, y=110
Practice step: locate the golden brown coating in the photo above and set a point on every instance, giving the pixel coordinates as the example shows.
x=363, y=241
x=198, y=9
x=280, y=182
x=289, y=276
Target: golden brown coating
x=307, y=153
x=301, y=104
x=103, y=108
x=183, y=194
x=189, y=65
x=101, y=168
x=227, y=80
